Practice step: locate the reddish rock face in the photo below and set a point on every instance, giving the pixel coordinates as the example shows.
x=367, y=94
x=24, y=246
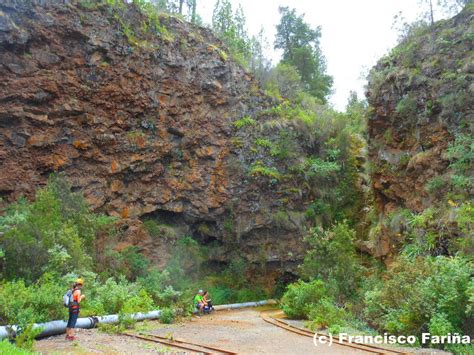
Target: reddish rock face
x=141, y=123
x=420, y=96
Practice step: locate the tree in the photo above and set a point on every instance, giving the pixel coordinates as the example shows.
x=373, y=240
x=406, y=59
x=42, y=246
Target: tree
x=232, y=30
x=284, y=80
x=356, y=110
x=192, y=10
x=446, y=7
x=300, y=45
x=259, y=65
x=222, y=20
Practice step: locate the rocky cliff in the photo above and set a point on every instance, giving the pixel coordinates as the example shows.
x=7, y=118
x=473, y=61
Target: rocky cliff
x=153, y=121
x=421, y=98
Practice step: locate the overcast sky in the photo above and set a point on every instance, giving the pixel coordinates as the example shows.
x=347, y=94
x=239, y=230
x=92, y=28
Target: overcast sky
x=355, y=33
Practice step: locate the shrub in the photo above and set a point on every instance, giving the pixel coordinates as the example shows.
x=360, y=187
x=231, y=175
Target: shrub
x=407, y=106
x=136, y=264
x=250, y=294
x=461, y=153
x=157, y=285
x=26, y=337
x=325, y=314
x=301, y=297
x=259, y=169
x=8, y=348
x=221, y=294
x=141, y=302
x=167, y=315
x=263, y=142
x=55, y=233
x=419, y=293
x=158, y=230
x=435, y=184
x=331, y=256
x=244, y=121
x=22, y=305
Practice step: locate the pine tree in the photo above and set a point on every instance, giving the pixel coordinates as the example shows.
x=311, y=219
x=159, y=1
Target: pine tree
x=300, y=45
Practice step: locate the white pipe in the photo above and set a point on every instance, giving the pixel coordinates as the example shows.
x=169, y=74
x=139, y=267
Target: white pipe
x=244, y=305
x=59, y=326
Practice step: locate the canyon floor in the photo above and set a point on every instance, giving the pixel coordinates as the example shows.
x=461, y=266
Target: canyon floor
x=242, y=331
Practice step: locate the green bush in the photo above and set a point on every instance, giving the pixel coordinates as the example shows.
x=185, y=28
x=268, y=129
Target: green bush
x=141, y=302
x=325, y=314
x=421, y=293
x=301, y=297
x=407, y=106
x=8, y=348
x=331, y=256
x=55, y=233
x=40, y=302
x=244, y=121
x=259, y=169
x=157, y=230
x=167, y=315
x=461, y=153
x=136, y=264
x=25, y=337
x=435, y=184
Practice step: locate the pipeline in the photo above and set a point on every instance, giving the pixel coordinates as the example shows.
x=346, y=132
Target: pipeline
x=244, y=305
x=59, y=326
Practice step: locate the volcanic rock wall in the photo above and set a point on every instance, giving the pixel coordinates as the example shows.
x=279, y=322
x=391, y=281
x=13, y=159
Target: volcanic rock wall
x=420, y=96
x=139, y=115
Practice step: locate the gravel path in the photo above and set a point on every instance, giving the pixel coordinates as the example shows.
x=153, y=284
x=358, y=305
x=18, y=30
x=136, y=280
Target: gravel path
x=242, y=331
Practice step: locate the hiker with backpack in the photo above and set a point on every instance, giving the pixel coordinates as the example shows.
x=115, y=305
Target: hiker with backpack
x=72, y=300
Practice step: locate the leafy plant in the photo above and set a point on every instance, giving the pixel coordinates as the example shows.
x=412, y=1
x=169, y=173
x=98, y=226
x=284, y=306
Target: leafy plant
x=419, y=293
x=301, y=297
x=244, y=121
x=331, y=256
x=259, y=169
x=167, y=315
x=8, y=348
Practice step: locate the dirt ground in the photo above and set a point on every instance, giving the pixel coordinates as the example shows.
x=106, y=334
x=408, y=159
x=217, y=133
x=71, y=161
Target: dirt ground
x=241, y=331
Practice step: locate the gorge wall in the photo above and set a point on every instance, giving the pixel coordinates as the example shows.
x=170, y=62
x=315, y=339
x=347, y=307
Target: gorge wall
x=152, y=120
x=421, y=98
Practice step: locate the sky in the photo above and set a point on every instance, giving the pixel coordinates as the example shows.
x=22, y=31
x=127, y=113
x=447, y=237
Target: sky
x=355, y=33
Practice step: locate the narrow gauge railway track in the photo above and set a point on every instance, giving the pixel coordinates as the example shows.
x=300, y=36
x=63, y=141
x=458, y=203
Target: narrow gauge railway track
x=301, y=331
x=182, y=344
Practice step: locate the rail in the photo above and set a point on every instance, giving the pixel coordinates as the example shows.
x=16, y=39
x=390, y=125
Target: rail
x=305, y=332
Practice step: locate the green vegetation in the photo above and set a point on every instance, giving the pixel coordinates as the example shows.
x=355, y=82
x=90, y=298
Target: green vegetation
x=407, y=106
x=7, y=348
x=58, y=231
x=300, y=147
x=259, y=169
x=300, y=45
x=332, y=257
x=244, y=121
x=428, y=287
x=420, y=293
x=157, y=230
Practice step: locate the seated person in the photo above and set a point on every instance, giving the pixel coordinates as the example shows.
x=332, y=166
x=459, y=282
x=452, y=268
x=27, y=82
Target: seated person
x=208, y=301
x=199, y=301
